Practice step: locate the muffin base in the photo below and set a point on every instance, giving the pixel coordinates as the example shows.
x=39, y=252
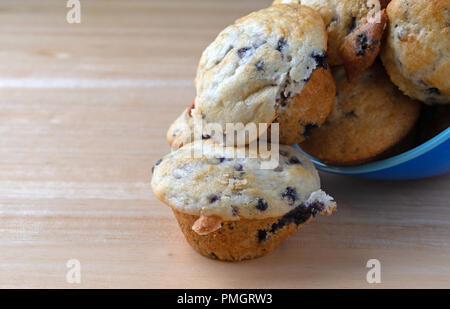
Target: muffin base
x=247, y=239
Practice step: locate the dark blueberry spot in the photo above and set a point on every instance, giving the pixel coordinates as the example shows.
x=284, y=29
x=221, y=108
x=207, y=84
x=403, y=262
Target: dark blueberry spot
x=262, y=205
x=315, y=208
x=350, y=114
x=281, y=44
x=290, y=195
x=433, y=91
x=262, y=235
x=260, y=65
x=321, y=59
x=363, y=43
x=294, y=161
x=352, y=24
x=213, y=198
x=283, y=102
x=206, y=136
x=222, y=159
x=156, y=164
x=283, y=152
x=243, y=51
x=285, y=96
x=234, y=211
x=298, y=215
x=230, y=226
x=307, y=79
x=238, y=167
x=308, y=128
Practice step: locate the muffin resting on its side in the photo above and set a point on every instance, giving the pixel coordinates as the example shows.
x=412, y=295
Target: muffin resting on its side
x=369, y=117
x=232, y=208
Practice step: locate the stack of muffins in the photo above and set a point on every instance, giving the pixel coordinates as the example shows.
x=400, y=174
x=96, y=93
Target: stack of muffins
x=311, y=67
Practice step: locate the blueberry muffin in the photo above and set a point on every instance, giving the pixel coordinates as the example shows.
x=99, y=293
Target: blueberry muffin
x=369, y=117
x=352, y=29
x=229, y=207
x=181, y=131
x=255, y=67
x=416, y=53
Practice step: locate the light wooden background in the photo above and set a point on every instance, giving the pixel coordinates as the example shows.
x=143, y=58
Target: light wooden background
x=83, y=115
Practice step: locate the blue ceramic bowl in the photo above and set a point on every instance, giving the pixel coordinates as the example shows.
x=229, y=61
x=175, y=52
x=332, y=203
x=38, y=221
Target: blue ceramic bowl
x=429, y=159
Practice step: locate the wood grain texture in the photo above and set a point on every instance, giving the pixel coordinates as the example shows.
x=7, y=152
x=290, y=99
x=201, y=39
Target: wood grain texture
x=83, y=114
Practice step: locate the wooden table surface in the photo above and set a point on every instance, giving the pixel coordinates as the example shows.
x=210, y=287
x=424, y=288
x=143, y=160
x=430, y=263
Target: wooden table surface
x=84, y=109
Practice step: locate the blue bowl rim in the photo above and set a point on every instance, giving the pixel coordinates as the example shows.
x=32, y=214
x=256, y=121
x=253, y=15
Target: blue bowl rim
x=383, y=164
